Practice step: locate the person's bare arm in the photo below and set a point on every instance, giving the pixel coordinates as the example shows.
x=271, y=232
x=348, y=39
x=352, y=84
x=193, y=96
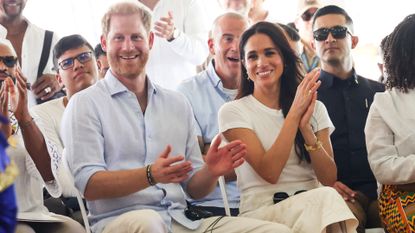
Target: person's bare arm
x=218, y=161
x=322, y=155
x=32, y=136
x=113, y=184
x=229, y=176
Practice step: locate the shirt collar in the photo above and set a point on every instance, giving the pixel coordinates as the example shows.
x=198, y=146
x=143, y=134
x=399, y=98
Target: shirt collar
x=329, y=79
x=115, y=86
x=3, y=32
x=213, y=76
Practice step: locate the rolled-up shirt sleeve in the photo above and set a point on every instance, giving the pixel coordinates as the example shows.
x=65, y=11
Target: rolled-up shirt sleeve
x=82, y=138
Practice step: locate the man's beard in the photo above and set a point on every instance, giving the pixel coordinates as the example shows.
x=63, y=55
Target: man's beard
x=11, y=16
x=333, y=62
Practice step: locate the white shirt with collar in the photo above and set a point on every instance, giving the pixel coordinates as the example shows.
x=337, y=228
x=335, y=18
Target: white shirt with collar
x=171, y=62
x=31, y=52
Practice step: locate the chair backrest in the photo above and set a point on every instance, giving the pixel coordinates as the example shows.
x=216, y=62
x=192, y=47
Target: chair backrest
x=222, y=187
x=221, y=180
x=65, y=168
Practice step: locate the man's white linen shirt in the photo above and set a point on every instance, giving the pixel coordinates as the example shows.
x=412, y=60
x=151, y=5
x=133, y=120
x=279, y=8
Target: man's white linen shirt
x=31, y=51
x=104, y=129
x=172, y=62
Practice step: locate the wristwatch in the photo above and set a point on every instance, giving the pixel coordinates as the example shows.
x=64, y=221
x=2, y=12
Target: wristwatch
x=176, y=34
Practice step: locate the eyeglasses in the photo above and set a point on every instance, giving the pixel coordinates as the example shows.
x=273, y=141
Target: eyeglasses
x=338, y=32
x=9, y=61
x=82, y=58
x=306, y=16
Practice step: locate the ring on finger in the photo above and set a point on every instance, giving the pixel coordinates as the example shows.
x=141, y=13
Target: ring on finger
x=308, y=93
x=47, y=90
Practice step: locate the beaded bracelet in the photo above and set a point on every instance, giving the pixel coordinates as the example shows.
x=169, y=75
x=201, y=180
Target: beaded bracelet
x=150, y=178
x=314, y=147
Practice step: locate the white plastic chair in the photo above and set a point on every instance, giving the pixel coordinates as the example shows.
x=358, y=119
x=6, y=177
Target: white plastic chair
x=221, y=181
x=65, y=168
x=222, y=187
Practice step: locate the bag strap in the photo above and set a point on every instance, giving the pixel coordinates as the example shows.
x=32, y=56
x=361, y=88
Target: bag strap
x=47, y=43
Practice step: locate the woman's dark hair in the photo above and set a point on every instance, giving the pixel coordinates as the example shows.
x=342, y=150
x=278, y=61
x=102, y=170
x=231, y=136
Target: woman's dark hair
x=291, y=32
x=399, y=51
x=290, y=78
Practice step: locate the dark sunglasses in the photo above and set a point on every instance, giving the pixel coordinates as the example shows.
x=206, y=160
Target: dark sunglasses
x=9, y=61
x=82, y=58
x=338, y=32
x=306, y=16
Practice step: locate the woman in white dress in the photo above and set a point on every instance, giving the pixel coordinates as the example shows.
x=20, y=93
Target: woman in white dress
x=286, y=131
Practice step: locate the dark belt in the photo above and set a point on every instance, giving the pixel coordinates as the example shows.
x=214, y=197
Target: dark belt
x=280, y=196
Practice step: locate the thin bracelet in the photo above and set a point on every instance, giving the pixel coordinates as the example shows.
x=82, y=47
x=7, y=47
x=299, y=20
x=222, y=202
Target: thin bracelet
x=26, y=124
x=314, y=147
x=150, y=178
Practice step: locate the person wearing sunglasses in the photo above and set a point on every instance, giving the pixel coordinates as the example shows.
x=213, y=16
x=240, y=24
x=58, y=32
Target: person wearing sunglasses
x=29, y=153
x=29, y=42
x=347, y=97
x=306, y=10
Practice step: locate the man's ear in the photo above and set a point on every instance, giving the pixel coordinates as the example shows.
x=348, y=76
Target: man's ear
x=103, y=43
x=211, y=45
x=99, y=64
x=59, y=78
x=355, y=40
x=313, y=45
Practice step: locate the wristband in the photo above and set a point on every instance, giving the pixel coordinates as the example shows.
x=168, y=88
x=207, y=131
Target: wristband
x=150, y=178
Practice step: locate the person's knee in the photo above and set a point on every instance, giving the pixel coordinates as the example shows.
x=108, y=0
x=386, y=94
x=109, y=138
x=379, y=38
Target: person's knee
x=67, y=226
x=357, y=210
x=146, y=221
x=151, y=218
x=373, y=218
x=24, y=228
x=276, y=227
